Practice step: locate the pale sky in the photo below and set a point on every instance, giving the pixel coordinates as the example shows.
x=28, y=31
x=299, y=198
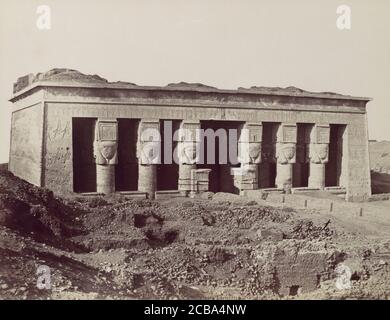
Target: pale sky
x=227, y=44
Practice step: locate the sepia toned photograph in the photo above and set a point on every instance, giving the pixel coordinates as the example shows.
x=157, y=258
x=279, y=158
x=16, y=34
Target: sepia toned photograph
x=195, y=151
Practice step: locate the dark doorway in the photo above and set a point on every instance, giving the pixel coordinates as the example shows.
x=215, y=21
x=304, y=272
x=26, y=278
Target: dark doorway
x=267, y=167
x=334, y=167
x=126, y=171
x=168, y=170
x=84, y=167
x=221, y=178
x=301, y=166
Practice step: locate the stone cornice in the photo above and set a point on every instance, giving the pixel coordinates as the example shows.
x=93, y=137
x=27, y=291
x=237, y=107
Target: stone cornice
x=180, y=88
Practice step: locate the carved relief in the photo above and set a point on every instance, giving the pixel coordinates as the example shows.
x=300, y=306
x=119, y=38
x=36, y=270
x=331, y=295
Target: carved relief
x=320, y=133
x=61, y=155
x=189, y=131
x=285, y=152
x=105, y=146
x=318, y=152
x=58, y=132
x=255, y=152
x=149, y=152
x=249, y=144
x=188, y=152
x=251, y=132
x=149, y=143
x=255, y=132
x=287, y=133
x=323, y=133
x=249, y=152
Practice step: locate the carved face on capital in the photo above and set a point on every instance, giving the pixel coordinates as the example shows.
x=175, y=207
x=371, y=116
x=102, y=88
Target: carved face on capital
x=249, y=152
x=106, y=152
x=289, y=151
x=149, y=152
x=187, y=153
x=322, y=150
x=255, y=152
x=108, y=149
x=318, y=153
x=286, y=153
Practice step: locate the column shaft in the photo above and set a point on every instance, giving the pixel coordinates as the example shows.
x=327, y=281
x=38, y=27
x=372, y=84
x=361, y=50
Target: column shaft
x=284, y=173
x=105, y=178
x=147, y=179
x=317, y=175
x=184, y=183
x=249, y=176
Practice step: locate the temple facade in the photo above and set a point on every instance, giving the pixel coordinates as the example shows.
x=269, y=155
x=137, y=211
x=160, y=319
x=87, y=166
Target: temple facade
x=76, y=133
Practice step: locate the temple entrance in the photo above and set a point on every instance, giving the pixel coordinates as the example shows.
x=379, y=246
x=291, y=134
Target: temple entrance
x=334, y=169
x=84, y=167
x=267, y=167
x=126, y=171
x=168, y=170
x=301, y=166
x=215, y=149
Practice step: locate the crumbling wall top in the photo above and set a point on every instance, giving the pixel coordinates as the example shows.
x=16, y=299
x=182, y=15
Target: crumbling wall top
x=73, y=78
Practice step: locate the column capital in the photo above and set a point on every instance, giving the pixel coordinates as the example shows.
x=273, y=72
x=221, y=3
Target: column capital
x=249, y=142
x=318, y=148
x=287, y=133
x=318, y=152
x=251, y=132
x=189, y=138
x=149, y=130
x=105, y=145
x=320, y=133
x=285, y=152
x=189, y=131
x=149, y=142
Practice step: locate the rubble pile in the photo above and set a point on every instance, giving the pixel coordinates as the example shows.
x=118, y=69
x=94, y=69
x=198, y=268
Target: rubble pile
x=222, y=246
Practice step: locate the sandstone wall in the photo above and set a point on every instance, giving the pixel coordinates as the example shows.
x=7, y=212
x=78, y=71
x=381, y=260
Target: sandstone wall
x=26, y=143
x=58, y=164
x=358, y=181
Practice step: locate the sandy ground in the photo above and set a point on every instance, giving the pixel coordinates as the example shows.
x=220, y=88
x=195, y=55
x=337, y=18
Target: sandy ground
x=218, y=246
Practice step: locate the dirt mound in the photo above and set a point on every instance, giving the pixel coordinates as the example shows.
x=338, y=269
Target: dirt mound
x=36, y=212
x=224, y=247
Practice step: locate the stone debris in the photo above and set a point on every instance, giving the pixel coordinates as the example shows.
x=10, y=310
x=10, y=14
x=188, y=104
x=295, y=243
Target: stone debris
x=224, y=247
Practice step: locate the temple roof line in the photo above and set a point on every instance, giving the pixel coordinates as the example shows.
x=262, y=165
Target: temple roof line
x=73, y=78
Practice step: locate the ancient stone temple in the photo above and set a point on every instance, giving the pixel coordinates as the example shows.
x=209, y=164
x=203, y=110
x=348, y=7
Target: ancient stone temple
x=75, y=133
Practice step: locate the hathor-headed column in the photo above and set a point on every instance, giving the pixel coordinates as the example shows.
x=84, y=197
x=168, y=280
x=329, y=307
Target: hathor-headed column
x=149, y=155
x=106, y=156
x=187, y=152
x=299, y=167
x=318, y=155
x=285, y=155
x=249, y=155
